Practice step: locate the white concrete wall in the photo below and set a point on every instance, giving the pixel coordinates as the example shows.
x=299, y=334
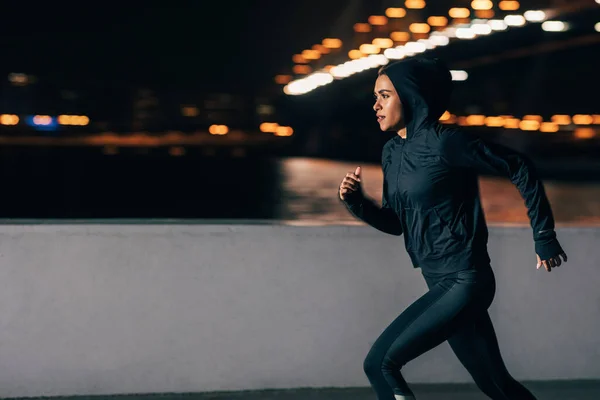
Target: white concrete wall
x=102, y=309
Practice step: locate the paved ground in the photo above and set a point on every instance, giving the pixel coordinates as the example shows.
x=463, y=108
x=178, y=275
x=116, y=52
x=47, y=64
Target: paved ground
x=557, y=390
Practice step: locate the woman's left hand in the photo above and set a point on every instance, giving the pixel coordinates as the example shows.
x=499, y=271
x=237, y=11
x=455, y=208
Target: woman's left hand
x=551, y=262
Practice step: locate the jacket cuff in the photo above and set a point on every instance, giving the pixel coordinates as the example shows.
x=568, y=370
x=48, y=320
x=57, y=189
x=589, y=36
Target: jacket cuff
x=353, y=201
x=548, y=248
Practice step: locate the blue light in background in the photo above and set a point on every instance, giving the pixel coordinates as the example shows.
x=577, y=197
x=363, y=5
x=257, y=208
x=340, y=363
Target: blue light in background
x=42, y=122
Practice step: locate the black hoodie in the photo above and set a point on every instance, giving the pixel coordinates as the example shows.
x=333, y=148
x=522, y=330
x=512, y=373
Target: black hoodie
x=430, y=187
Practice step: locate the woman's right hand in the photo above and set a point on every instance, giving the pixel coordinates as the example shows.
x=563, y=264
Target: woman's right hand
x=351, y=185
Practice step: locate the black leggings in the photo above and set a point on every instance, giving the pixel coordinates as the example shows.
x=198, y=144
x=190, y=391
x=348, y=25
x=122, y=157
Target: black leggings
x=454, y=309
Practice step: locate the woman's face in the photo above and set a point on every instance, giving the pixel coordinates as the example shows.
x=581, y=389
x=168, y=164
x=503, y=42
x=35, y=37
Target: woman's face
x=387, y=105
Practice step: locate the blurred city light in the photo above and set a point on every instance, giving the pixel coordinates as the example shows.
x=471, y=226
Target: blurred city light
x=177, y=151
x=400, y=36
x=299, y=59
x=74, y=120
x=362, y=27
x=190, y=111
x=515, y=20
x=368, y=49
x=529, y=125
x=463, y=29
x=419, y=28
x=311, y=54
x=561, y=119
x=481, y=29
x=509, y=5
x=395, y=12
x=481, y=4
x=548, y=127
x=465, y=33
x=383, y=43
x=412, y=48
x=218, y=130
x=497, y=25
x=597, y=26
x=42, y=120
x=459, y=13
x=437, y=21
x=9, y=119
x=578, y=125
x=584, y=133
x=284, y=131
x=534, y=16
x=554, y=26
x=439, y=40
x=18, y=79
x=302, y=69
x=580, y=119
x=415, y=4
x=283, y=79
x=459, y=75
x=378, y=20
x=493, y=122
x=269, y=127
x=332, y=43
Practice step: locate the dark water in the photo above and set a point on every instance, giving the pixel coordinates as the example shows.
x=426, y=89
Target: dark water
x=87, y=183
x=135, y=183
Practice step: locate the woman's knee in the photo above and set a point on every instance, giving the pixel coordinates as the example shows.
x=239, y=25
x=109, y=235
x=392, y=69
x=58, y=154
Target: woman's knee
x=375, y=364
x=372, y=364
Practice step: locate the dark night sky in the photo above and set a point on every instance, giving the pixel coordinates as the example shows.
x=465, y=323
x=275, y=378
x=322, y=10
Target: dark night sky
x=214, y=45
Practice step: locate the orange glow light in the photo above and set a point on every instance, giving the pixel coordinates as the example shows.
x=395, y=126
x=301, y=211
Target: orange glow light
x=511, y=123
x=321, y=49
x=269, y=127
x=395, y=12
x=368, y=49
x=419, y=28
x=494, y=121
x=378, y=20
x=311, y=54
x=284, y=131
x=400, y=36
x=302, y=69
x=459, y=13
x=548, y=127
x=476, y=120
x=415, y=4
x=481, y=5
x=529, y=125
x=584, y=133
x=283, y=79
x=383, y=43
x=362, y=27
x=332, y=43
x=218, y=130
x=485, y=14
x=561, y=119
x=437, y=21
x=299, y=59
x=581, y=119
x=9, y=119
x=509, y=5
x=355, y=54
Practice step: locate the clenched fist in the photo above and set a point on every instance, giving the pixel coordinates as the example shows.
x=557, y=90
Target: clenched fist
x=351, y=184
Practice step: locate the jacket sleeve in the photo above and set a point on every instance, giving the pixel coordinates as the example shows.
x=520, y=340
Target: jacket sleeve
x=462, y=150
x=383, y=218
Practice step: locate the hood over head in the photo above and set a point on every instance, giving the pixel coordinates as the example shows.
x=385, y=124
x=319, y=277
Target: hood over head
x=424, y=86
